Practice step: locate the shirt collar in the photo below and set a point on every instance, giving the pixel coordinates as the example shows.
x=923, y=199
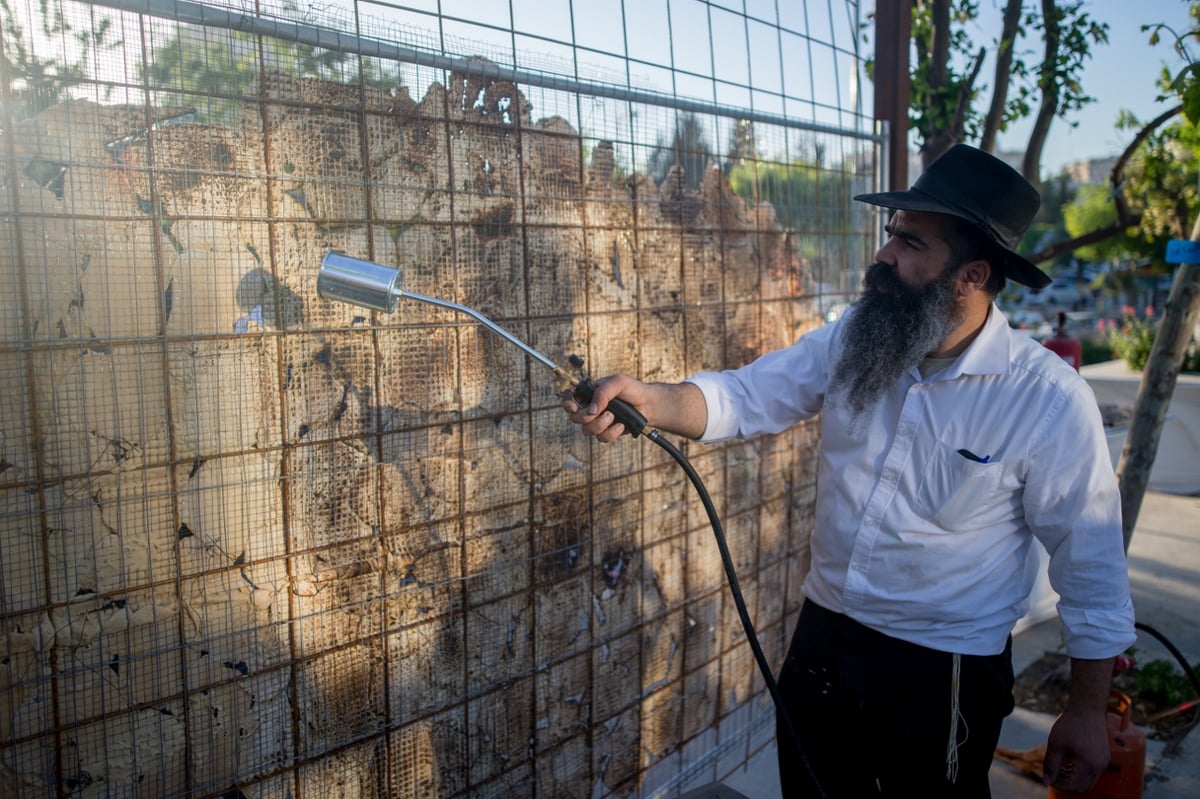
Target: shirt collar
x=989, y=354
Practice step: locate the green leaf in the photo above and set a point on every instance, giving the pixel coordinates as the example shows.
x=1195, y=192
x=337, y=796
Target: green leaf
x=1191, y=103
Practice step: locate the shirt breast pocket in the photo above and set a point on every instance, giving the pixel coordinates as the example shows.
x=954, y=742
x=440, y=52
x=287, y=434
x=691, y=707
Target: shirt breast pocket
x=957, y=493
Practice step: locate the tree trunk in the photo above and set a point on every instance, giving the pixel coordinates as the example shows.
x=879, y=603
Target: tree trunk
x=1158, y=384
x=1048, y=83
x=1004, y=58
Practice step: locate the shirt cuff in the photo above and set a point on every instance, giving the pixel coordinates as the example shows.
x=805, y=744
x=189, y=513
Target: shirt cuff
x=722, y=422
x=1094, y=634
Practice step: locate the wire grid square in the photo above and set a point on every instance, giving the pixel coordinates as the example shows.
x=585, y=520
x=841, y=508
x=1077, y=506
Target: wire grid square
x=116, y=657
x=616, y=742
x=241, y=730
x=425, y=669
x=331, y=494
x=497, y=553
x=562, y=702
x=327, y=386
x=700, y=700
x=226, y=397
x=499, y=642
x=230, y=512
x=27, y=701
x=346, y=607
x=418, y=375
x=340, y=695
x=566, y=767
x=23, y=567
x=424, y=575
x=496, y=463
x=130, y=751
x=661, y=722
x=556, y=270
x=704, y=620
x=773, y=526
x=358, y=770
x=108, y=534
x=427, y=758
x=220, y=286
x=500, y=728
x=35, y=766
x=102, y=410
x=563, y=620
x=663, y=565
x=562, y=537
x=225, y=635
x=420, y=480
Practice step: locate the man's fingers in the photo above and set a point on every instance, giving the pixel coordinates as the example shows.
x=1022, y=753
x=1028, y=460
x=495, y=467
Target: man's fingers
x=1051, y=773
x=1067, y=776
x=612, y=433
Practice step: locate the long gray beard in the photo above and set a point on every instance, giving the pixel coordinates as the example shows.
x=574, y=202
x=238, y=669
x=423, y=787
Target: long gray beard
x=893, y=327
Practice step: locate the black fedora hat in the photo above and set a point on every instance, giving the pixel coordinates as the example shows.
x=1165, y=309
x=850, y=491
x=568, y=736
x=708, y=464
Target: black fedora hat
x=973, y=185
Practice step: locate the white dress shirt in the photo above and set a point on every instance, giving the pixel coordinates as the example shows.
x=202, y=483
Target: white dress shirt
x=927, y=507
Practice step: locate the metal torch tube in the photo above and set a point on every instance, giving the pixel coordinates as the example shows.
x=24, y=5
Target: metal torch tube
x=483, y=320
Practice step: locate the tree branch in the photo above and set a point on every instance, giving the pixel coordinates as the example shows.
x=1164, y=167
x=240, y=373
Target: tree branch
x=1003, y=74
x=1116, y=180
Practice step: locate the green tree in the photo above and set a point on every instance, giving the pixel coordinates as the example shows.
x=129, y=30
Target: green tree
x=1092, y=208
x=214, y=70
x=688, y=147
x=742, y=144
x=1176, y=330
x=813, y=201
x=34, y=83
x=948, y=64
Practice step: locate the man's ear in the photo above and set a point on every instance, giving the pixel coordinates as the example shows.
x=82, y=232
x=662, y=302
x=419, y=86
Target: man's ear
x=973, y=277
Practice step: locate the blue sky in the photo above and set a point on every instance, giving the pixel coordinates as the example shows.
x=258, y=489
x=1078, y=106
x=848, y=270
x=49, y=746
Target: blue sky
x=1120, y=75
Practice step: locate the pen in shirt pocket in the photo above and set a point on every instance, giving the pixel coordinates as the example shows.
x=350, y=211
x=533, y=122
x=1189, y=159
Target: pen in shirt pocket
x=971, y=456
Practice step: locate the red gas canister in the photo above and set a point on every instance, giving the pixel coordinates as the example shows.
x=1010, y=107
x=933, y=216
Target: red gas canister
x=1125, y=776
x=1069, y=349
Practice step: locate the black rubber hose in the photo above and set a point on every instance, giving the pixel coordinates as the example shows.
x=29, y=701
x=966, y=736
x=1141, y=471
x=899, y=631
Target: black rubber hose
x=739, y=601
x=1187, y=669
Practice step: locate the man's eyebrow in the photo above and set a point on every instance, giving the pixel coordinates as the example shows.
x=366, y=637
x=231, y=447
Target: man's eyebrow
x=904, y=235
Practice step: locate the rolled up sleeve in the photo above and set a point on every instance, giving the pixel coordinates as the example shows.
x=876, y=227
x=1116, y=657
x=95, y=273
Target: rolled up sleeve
x=770, y=394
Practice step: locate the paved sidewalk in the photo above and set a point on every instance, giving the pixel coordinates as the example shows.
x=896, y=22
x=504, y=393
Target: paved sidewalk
x=1164, y=572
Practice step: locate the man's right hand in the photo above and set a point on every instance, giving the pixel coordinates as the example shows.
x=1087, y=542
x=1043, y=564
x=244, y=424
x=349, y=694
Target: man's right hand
x=673, y=407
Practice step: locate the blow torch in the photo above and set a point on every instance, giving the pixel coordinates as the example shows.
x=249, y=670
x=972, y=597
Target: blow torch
x=370, y=285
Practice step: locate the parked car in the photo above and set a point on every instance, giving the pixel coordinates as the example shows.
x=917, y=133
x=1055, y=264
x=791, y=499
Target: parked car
x=1062, y=292
x=1029, y=320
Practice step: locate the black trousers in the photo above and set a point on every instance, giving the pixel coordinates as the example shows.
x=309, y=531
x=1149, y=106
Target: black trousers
x=873, y=713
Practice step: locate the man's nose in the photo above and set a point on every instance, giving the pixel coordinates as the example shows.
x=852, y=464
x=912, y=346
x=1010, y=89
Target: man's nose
x=884, y=255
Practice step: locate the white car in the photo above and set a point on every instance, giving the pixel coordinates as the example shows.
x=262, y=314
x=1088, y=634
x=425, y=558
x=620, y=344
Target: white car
x=1062, y=292
x=1029, y=320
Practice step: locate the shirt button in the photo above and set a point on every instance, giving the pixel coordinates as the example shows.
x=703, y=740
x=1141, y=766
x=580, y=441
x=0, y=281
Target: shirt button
x=889, y=475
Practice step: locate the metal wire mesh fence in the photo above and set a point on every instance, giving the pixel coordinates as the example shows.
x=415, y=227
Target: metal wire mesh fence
x=254, y=543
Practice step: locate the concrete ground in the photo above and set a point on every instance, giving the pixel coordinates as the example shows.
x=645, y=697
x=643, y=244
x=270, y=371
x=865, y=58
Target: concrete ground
x=1164, y=572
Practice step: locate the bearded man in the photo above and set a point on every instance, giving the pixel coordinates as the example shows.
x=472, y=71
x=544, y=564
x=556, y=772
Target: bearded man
x=949, y=442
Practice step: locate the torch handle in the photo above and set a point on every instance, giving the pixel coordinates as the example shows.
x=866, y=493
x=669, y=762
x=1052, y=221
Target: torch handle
x=621, y=410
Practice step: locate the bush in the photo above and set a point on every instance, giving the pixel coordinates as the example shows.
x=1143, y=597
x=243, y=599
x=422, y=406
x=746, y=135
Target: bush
x=1095, y=351
x=1163, y=682
x=1132, y=340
